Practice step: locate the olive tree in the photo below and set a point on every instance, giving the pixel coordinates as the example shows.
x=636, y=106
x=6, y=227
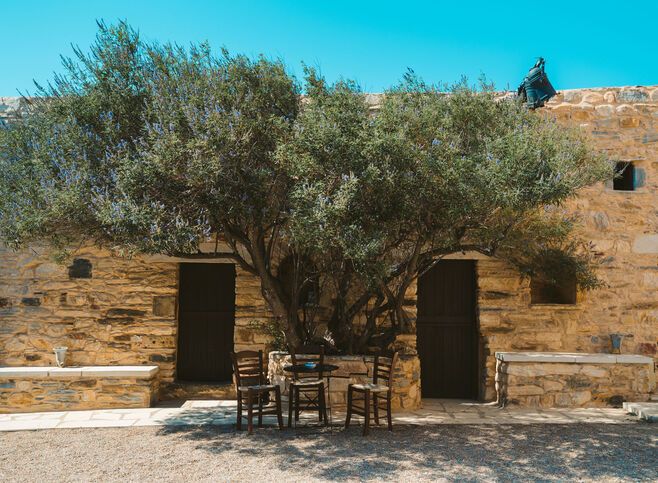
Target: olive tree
x=152, y=149
x=380, y=197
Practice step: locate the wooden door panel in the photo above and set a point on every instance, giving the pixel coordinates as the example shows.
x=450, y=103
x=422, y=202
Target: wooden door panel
x=446, y=330
x=206, y=321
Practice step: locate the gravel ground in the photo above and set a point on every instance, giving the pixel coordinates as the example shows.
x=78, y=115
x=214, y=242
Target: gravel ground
x=593, y=452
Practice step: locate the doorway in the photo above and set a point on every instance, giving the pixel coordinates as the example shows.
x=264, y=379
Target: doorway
x=447, y=330
x=206, y=320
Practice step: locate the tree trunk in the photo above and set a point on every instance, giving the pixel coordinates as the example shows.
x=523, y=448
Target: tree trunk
x=272, y=290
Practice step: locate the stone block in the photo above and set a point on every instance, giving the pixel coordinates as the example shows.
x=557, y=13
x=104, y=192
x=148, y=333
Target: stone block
x=346, y=368
x=31, y=301
x=646, y=244
x=529, y=390
x=552, y=386
x=164, y=305
x=138, y=372
x=633, y=359
x=244, y=335
x=579, y=398
x=340, y=384
x=23, y=372
x=629, y=122
x=632, y=95
x=593, y=371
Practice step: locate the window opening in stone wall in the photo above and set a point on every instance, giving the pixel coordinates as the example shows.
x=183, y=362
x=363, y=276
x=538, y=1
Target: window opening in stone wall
x=548, y=292
x=624, y=177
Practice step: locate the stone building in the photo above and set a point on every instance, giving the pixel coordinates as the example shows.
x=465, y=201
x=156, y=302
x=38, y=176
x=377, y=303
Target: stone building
x=501, y=344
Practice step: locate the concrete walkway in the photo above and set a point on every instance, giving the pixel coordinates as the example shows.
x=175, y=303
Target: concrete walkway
x=434, y=411
x=647, y=411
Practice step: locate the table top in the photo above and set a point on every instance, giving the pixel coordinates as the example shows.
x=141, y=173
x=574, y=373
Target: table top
x=300, y=368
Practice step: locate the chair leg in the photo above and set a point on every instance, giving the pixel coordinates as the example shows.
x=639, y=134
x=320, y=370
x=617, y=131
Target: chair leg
x=323, y=405
x=297, y=403
x=239, y=421
x=291, y=403
x=260, y=409
x=320, y=398
x=366, y=423
x=250, y=412
x=279, y=416
x=348, y=416
x=388, y=412
x=375, y=407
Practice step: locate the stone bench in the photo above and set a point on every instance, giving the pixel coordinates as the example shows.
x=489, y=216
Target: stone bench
x=28, y=389
x=559, y=379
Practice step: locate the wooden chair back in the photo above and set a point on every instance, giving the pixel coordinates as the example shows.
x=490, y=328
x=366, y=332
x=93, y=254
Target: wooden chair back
x=308, y=354
x=248, y=368
x=384, y=369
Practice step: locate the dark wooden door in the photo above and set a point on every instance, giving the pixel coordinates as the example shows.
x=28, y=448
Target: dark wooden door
x=206, y=317
x=447, y=331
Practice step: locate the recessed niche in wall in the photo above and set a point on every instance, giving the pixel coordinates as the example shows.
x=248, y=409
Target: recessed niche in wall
x=80, y=268
x=543, y=292
x=624, y=176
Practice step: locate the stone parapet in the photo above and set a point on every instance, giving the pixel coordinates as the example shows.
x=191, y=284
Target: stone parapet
x=572, y=380
x=354, y=369
x=27, y=389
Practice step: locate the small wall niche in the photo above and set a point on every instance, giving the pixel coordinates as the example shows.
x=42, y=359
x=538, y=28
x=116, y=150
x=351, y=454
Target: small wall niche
x=624, y=176
x=80, y=268
x=561, y=293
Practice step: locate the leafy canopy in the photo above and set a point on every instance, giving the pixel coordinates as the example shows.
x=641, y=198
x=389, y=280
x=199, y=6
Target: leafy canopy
x=148, y=148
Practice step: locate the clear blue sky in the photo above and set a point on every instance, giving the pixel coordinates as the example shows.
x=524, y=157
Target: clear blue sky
x=586, y=43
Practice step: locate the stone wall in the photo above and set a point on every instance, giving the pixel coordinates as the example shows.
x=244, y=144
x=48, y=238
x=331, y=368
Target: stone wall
x=623, y=226
x=354, y=370
x=48, y=389
x=562, y=380
x=121, y=312
x=11, y=108
x=126, y=312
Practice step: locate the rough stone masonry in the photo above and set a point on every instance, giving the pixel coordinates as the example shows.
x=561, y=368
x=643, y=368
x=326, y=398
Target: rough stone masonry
x=115, y=311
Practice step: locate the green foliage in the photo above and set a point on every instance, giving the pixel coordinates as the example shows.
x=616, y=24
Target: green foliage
x=55, y=161
x=154, y=148
x=383, y=196
x=274, y=330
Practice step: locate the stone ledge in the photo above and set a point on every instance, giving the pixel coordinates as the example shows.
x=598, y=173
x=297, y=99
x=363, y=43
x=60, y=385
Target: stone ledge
x=573, y=358
x=86, y=372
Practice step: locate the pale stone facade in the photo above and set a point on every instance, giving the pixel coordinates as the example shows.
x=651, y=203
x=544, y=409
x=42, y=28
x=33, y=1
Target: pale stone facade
x=125, y=313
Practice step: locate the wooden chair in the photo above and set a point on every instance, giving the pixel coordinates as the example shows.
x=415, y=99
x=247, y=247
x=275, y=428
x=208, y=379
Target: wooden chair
x=252, y=386
x=306, y=391
x=380, y=389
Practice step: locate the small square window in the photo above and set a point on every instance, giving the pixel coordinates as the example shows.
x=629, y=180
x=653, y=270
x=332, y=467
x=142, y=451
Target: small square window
x=624, y=177
x=543, y=292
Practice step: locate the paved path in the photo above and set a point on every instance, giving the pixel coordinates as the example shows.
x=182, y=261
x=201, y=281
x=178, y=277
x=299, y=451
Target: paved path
x=647, y=411
x=222, y=413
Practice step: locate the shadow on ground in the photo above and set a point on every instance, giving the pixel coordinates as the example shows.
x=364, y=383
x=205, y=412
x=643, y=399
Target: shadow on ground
x=536, y=452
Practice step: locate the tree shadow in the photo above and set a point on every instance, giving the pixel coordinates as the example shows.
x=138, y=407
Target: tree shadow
x=537, y=452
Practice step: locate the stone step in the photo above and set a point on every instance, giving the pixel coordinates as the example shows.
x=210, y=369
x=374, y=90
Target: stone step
x=647, y=411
